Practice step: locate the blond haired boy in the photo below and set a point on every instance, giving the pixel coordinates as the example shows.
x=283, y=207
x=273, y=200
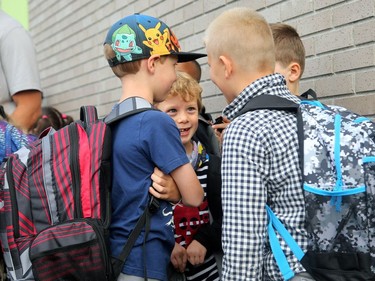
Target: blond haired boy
x=260, y=163
x=198, y=239
x=142, y=52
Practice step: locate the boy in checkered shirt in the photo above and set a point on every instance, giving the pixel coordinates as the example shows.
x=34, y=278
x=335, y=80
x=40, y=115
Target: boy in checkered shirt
x=260, y=164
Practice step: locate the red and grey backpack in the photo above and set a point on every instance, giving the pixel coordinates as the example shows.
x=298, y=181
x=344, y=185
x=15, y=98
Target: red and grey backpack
x=337, y=156
x=55, y=204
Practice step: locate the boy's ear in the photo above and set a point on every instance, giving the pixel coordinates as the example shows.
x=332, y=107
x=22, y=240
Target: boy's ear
x=227, y=64
x=294, y=71
x=151, y=61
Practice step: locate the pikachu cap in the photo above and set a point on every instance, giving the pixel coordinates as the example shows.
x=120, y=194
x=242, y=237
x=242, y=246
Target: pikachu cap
x=139, y=36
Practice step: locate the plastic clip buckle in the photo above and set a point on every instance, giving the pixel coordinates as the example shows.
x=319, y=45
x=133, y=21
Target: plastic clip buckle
x=154, y=205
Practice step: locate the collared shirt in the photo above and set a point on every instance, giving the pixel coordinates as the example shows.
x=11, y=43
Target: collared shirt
x=260, y=166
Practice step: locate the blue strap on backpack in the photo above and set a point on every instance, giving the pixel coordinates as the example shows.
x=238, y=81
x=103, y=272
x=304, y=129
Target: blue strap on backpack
x=274, y=223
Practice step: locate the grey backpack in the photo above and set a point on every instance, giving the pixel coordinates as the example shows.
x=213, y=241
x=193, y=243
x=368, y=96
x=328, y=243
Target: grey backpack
x=337, y=156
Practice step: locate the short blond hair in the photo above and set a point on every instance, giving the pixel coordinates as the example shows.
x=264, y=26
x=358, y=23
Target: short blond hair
x=187, y=88
x=245, y=36
x=121, y=69
x=288, y=45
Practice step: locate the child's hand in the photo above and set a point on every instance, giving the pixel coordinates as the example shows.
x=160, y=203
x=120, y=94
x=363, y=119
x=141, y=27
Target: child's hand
x=179, y=257
x=164, y=187
x=219, y=128
x=196, y=253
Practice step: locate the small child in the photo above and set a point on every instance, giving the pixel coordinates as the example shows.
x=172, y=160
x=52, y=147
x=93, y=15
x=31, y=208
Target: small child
x=142, y=52
x=196, y=238
x=51, y=117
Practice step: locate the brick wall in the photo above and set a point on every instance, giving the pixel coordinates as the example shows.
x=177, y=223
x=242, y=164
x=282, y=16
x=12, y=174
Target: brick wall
x=338, y=36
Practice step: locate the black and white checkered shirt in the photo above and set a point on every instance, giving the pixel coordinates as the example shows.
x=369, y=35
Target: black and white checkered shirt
x=260, y=166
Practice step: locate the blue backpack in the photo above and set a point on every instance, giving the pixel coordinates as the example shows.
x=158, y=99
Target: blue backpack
x=337, y=157
x=11, y=138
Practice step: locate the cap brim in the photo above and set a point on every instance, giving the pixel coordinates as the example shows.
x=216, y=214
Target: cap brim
x=184, y=56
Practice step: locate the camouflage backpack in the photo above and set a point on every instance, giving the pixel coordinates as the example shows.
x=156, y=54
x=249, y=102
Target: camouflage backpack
x=337, y=156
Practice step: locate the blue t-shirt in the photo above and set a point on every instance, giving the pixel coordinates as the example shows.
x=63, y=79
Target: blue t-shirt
x=141, y=142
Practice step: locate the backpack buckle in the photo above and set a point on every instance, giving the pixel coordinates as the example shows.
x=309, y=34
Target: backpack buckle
x=153, y=205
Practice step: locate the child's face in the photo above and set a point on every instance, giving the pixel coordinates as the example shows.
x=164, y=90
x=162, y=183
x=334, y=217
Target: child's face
x=217, y=75
x=185, y=115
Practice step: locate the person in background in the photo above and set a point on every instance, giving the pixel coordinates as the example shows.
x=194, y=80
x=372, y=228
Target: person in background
x=290, y=55
x=20, y=89
x=198, y=238
x=192, y=68
x=204, y=133
x=260, y=163
x=51, y=117
x=144, y=141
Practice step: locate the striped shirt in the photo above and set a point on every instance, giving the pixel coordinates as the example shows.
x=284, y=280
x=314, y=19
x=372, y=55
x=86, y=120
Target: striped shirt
x=260, y=166
x=188, y=220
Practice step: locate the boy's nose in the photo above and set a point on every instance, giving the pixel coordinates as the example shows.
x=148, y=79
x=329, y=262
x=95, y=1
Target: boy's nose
x=182, y=118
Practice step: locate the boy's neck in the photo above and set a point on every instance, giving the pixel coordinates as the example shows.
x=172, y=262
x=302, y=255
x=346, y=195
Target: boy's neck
x=135, y=86
x=293, y=88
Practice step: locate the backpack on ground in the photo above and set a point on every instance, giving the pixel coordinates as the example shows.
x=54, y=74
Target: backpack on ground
x=337, y=156
x=55, y=204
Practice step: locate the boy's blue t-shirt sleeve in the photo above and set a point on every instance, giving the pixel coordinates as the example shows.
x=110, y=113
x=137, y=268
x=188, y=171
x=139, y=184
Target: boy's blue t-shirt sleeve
x=161, y=138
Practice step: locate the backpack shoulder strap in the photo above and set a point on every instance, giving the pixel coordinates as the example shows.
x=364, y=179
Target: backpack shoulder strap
x=206, y=135
x=214, y=183
x=126, y=108
x=143, y=222
x=269, y=102
x=2, y=113
x=309, y=93
x=278, y=103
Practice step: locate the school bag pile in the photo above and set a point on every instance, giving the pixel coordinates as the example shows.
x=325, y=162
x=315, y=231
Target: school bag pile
x=55, y=204
x=337, y=157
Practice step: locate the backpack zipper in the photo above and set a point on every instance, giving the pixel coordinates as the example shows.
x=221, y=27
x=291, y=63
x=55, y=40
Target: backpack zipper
x=13, y=198
x=74, y=164
x=96, y=225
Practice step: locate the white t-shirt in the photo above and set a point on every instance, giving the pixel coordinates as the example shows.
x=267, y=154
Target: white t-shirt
x=18, y=65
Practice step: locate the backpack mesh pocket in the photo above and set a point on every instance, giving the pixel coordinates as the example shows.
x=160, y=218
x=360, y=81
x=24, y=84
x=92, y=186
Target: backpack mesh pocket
x=70, y=251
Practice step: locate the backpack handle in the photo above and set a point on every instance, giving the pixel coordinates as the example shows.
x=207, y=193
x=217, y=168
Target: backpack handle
x=88, y=114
